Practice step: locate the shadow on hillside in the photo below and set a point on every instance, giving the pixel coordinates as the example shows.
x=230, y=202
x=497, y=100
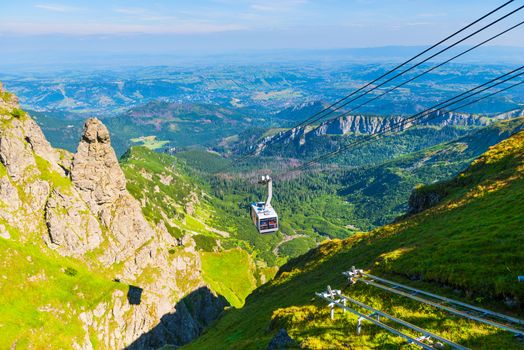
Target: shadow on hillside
x=186, y=322
x=134, y=295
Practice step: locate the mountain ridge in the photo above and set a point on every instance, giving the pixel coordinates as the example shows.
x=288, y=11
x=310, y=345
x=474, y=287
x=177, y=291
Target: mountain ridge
x=75, y=209
x=357, y=125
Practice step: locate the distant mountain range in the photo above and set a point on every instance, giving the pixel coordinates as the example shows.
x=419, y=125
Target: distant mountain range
x=262, y=89
x=311, y=140
x=14, y=61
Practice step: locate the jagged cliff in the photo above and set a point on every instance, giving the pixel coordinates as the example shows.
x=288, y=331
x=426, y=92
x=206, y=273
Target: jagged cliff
x=365, y=125
x=77, y=205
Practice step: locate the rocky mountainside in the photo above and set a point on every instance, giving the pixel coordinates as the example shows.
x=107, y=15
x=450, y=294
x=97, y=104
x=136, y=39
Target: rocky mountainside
x=355, y=125
x=74, y=209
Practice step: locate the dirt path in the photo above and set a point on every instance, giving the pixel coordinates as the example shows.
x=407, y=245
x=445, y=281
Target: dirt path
x=286, y=239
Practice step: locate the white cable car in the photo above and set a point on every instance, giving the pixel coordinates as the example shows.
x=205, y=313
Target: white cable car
x=263, y=215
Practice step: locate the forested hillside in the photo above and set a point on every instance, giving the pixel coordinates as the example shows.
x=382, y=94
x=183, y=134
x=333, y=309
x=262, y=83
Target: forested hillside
x=340, y=200
x=466, y=246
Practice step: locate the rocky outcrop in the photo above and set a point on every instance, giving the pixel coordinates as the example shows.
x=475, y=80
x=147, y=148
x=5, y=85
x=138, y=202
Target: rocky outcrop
x=15, y=152
x=98, y=178
x=72, y=229
x=40, y=146
x=79, y=206
x=23, y=192
x=511, y=114
x=359, y=125
x=95, y=171
x=190, y=316
x=442, y=118
x=281, y=341
x=21, y=139
x=424, y=198
x=366, y=125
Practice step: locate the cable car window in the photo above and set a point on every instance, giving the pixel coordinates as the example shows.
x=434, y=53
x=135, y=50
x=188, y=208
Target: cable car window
x=264, y=224
x=268, y=223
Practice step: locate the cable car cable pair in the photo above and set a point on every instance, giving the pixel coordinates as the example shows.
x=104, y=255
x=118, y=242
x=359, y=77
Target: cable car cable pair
x=409, y=122
x=330, y=110
x=265, y=217
x=415, y=77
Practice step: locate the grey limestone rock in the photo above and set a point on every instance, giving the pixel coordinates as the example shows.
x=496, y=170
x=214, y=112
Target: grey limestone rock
x=72, y=229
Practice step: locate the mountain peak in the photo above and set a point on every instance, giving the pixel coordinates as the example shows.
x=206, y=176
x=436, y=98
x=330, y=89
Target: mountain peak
x=95, y=131
x=95, y=170
x=7, y=100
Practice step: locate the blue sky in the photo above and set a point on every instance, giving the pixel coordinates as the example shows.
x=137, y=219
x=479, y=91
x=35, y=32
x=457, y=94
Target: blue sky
x=229, y=25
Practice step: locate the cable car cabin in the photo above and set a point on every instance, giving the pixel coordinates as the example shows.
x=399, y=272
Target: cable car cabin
x=264, y=217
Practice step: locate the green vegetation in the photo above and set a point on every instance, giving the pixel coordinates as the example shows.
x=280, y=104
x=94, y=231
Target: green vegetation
x=55, y=179
x=149, y=142
x=17, y=113
x=203, y=160
x=205, y=243
x=4, y=95
x=230, y=274
x=42, y=295
x=297, y=246
x=173, y=196
x=180, y=124
x=468, y=247
x=152, y=178
x=272, y=131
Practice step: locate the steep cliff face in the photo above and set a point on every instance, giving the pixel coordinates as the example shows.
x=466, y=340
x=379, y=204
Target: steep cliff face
x=360, y=124
x=365, y=125
x=357, y=124
x=78, y=206
x=97, y=176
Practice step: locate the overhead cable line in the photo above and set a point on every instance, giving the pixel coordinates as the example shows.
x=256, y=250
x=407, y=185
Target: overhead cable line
x=421, y=74
x=329, y=108
x=411, y=119
x=455, y=109
x=426, y=60
x=404, y=63
x=449, y=102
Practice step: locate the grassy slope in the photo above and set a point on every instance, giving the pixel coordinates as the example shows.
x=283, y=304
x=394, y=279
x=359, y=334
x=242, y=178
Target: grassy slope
x=467, y=247
x=380, y=193
x=42, y=295
x=230, y=272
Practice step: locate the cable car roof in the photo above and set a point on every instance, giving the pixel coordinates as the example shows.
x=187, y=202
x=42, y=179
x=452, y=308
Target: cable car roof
x=264, y=212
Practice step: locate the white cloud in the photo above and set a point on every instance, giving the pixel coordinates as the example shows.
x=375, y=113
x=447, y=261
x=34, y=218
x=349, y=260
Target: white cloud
x=277, y=6
x=143, y=14
x=102, y=28
x=132, y=11
x=59, y=8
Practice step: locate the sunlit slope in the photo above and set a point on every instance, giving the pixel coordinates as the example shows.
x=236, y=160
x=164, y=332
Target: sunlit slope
x=468, y=246
x=43, y=294
x=171, y=197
